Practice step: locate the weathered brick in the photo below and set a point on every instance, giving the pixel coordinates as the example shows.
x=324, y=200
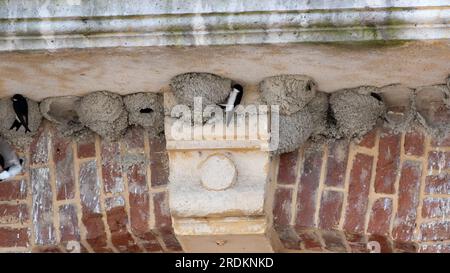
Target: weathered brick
x=68, y=223
x=414, y=143
x=437, y=184
x=170, y=240
x=96, y=235
x=86, y=147
x=288, y=237
x=64, y=168
x=287, y=169
x=388, y=162
x=136, y=174
x=89, y=186
x=13, y=190
x=358, y=193
x=70, y=248
x=163, y=221
x=92, y=216
x=117, y=220
x=46, y=249
x=149, y=242
x=42, y=210
x=436, y=207
x=368, y=140
x=334, y=241
x=435, y=231
x=39, y=147
x=14, y=237
x=282, y=207
x=161, y=210
x=380, y=217
x=435, y=248
x=408, y=200
x=309, y=239
x=139, y=212
x=111, y=167
x=441, y=142
x=440, y=114
x=405, y=247
x=134, y=139
x=139, y=197
x=83, y=248
x=330, y=209
x=386, y=244
x=159, y=162
x=13, y=214
x=438, y=160
x=124, y=242
x=307, y=191
x=357, y=242
x=337, y=163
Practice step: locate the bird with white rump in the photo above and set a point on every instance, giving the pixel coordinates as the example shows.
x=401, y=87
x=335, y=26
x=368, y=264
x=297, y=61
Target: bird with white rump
x=10, y=163
x=234, y=99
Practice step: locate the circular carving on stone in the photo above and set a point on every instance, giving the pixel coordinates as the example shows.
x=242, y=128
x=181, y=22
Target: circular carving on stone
x=217, y=173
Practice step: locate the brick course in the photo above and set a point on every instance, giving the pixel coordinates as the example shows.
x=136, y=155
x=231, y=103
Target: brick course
x=392, y=188
x=81, y=192
x=112, y=197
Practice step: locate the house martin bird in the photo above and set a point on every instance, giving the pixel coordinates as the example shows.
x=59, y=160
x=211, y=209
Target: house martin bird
x=233, y=100
x=20, y=106
x=10, y=163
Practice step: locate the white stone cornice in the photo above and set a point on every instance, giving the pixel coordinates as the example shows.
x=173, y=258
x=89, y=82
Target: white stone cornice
x=13, y=9
x=47, y=25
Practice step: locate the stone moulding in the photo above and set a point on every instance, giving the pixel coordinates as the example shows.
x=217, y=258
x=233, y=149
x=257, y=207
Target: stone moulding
x=227, y=22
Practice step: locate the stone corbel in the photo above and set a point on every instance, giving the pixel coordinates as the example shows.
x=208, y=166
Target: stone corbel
x=220, y=185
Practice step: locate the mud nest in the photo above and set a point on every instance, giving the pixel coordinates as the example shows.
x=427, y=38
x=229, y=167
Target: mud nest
x=146, y=110
x=318, y=108
x=356, y=110
x=104, y=113
x=294, y=130
x=290, y=92
x=62, y=112
x=212, y=88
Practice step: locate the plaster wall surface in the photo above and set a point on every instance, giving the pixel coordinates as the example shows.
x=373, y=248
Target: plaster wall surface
x=334, y=66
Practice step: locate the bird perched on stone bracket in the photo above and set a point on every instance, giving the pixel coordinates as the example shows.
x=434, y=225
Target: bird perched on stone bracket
x=233, y=100
x=20, y=106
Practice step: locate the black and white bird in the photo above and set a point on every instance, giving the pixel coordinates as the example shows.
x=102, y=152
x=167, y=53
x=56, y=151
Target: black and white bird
x=9, y=161
x=234, y=99
x=20, y=106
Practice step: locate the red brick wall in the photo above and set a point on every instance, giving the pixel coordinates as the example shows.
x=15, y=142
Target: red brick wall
x=81, y=192
x=390, y=188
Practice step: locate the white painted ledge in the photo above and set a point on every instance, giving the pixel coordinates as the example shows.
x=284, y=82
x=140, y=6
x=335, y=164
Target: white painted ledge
x=48, y=25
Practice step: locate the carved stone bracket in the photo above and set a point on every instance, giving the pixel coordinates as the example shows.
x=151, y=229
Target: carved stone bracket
x=220, y=186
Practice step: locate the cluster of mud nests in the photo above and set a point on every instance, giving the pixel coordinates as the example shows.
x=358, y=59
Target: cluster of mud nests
x=102, y=112
x=305, y=113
